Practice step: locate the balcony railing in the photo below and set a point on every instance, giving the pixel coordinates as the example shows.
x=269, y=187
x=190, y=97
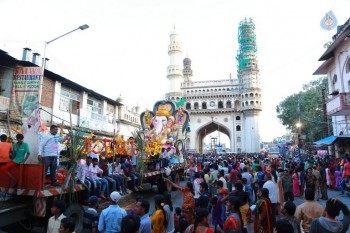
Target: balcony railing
x=339, y=105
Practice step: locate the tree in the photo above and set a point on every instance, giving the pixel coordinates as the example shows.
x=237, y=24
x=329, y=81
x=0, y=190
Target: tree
x=311, y=110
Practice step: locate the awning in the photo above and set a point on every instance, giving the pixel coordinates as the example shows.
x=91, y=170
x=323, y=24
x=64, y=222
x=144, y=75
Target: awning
x=326, y=141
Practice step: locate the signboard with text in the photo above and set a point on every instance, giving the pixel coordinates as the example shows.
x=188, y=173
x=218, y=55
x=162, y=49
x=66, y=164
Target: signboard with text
x=92, y=120
x=25, y=91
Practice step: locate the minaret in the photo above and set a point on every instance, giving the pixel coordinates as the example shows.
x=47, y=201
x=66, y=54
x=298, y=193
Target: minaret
x=174, y=73
x=248, y=75
x=187, y=71
x=248, y=71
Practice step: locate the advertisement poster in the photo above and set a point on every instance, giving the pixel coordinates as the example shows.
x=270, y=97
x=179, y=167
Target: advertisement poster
x=25, y=91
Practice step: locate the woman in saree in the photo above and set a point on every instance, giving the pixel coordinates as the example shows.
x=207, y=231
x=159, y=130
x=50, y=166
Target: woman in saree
x=338, y=179
x=295, y=178
x=188, y=203
x=263, y=213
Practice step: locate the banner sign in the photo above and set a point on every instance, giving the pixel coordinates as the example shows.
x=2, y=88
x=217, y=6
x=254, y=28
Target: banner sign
x=4, y=103
x=322, y=152
x=25, y=91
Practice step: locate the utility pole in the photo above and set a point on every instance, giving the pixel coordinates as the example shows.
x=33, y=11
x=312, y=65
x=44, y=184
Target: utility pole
x=299, y=125
x=325, y=119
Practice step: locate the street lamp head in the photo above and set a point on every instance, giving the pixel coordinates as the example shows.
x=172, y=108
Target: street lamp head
x=298, y=125
x=83, y=27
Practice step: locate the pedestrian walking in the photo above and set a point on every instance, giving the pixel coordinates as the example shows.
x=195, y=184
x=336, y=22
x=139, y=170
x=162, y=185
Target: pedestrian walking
x=309, y=210
x=142, y=209
x=158, y=218
x=90, y=217
x=111, y=217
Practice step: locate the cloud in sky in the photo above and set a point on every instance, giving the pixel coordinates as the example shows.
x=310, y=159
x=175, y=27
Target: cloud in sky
x=125, y=49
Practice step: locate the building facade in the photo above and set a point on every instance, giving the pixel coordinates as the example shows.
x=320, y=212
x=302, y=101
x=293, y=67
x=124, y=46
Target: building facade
x=90, y=111
x=230, y=106
x=336, y=65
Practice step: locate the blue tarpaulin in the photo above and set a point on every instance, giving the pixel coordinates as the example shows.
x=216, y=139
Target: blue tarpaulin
x=326, y=141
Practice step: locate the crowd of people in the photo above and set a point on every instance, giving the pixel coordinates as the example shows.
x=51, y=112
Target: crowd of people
x=224, y=193
x=227, y=193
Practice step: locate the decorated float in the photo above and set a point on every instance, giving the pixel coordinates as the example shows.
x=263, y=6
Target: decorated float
x=164, y=129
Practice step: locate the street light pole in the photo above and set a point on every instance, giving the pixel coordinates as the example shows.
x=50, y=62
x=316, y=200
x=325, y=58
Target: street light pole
x=82, y=27
x=299, y=135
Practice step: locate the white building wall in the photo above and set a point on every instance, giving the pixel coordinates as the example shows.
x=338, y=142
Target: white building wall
x=251, y=133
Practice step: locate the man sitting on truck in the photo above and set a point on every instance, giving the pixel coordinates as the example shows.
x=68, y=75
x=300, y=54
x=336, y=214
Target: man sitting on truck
x=82, y=174
x=102, y=183
x=20, y=155
x=118, y=173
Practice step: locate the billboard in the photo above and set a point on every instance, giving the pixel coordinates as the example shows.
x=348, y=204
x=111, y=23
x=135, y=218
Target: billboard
x=25, y=89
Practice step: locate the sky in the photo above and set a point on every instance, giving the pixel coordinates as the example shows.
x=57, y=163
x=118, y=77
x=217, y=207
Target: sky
x=124, y=51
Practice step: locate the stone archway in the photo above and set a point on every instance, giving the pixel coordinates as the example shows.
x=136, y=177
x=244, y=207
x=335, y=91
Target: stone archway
x=207, y=129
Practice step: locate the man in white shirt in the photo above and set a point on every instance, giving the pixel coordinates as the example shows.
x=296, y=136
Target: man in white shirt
x=49, y=152
x=221, y=176
x=118, y=173
x=82, y=172
x=102, y=183
x=57, y=210
x=271, y=186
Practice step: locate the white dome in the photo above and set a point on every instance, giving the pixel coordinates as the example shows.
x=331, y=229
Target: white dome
x=120, y=99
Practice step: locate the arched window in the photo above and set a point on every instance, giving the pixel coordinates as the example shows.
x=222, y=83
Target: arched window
x=220, y=104
x=335, y=79
x=238, y=128
x=188, y=106
x=251, y=102
x=348, y=66
x=228, y=104
x=196, y=105
x=238, y=118
x=251, y=95
x=237, y=104
x=246, y=95
x=204, y=105
x=242, y=104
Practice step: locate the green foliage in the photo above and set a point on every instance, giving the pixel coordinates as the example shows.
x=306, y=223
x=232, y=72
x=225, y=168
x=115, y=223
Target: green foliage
x=311, y=110
x=140, y=143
